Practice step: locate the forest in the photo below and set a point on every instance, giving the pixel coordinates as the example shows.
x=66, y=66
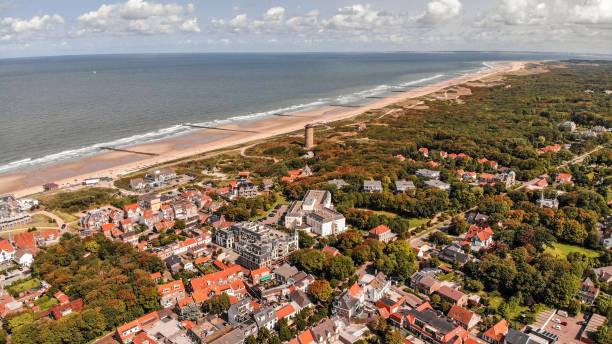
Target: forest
x=112, y=279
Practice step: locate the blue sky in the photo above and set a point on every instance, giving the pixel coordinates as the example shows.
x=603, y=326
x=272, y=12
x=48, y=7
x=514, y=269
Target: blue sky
x=60, y=27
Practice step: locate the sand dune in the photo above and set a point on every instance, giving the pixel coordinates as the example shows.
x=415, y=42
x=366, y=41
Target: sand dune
x=113, y=164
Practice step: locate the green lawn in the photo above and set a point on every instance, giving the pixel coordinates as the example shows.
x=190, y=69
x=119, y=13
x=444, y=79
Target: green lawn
x=379, y=212
x=23, y=286
x=39, y=220
x=417, y=222
x=562, y=250
x=65, y=216
x=45, y=302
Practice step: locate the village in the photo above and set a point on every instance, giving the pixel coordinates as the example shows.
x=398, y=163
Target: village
x=334, y=260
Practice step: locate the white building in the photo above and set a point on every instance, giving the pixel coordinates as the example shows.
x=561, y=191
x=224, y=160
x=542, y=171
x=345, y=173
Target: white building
x=315, y=214
x=7, y=251
x=23, y=257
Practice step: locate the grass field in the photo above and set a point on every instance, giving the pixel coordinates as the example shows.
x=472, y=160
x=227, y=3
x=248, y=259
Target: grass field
x=562, y=250
x=417, y=222
x=380, y=212
x=65, y=216
x=23, y=286
x=45, y=302
x=39, y=220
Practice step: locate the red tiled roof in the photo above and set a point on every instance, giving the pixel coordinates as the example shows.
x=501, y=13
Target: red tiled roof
x=285, y=311
x=305, y=337
x=498, y=331
x=460, y=314
x=214, y=278
x=50, y=235
x=5, y=245
x=188, y=324
x=378, y=230
x=132, y=207
x=108, y=227
x=483, y=233
x=24, y=240
x=143, y=322
x=354, y=290
x=184, y=301
x=265, y=271
x=201, y=260
x=61, y=297
x=156, y=275
x=170, y=288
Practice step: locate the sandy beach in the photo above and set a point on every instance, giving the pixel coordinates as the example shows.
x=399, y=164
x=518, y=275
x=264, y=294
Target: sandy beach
x=113, y=164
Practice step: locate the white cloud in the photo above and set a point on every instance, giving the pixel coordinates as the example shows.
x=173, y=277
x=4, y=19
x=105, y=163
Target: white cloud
x=35, y=27
x=274, y=14
x=592, y=12
x=138, y=17
x=441, y=11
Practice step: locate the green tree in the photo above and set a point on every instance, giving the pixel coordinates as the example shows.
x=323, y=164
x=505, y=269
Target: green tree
x=217, y=304
x=604, y=334
x=340, y=267
x=190, y=312
x=305, y=240
x=458, y=226
x=320, y=290
x=251, y=340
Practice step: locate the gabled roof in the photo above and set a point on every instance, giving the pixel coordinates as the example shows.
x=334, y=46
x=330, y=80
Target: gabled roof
x=108, y=227
x=24, y=240
x=285, y=311
x=380, y=229
x=460, y=314
x=5, y=245
x=483, y=234
x=498, y=331
x=259, y=272
x=305, y=337
x=174, y=286
x=133, y=207
x=354, y=290
x=451, y=293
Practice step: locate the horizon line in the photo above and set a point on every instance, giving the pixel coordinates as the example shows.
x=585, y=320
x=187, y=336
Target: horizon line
x=308, y=52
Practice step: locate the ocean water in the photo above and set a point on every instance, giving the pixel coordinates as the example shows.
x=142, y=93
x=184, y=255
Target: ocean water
x=54, y=109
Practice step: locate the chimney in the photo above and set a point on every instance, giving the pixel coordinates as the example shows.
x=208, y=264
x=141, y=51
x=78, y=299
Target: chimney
x=308, y=136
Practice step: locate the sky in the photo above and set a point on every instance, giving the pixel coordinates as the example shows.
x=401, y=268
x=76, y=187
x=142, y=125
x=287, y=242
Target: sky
x=69, y=27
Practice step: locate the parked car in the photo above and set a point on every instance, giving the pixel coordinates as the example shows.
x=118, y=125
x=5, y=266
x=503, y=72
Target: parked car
x=556, y=321
x=564, y=323
x=557, y=327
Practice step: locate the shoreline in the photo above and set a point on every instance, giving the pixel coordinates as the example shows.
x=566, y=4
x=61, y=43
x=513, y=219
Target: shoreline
x=114, y=164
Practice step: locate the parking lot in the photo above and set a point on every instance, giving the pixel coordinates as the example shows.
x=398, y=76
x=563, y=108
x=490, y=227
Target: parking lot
x=568, y=334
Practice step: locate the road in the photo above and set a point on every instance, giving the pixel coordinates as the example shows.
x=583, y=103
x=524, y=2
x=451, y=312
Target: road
x=418, y=239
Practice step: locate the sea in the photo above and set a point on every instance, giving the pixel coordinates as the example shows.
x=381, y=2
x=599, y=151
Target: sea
x=54, y=109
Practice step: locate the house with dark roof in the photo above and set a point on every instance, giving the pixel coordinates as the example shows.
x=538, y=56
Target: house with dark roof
x=300, y=298
x=265, y=317
x=588, y=291
x=372, y=186
x=434, y=328
x=454, y=253
x=426, y=283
